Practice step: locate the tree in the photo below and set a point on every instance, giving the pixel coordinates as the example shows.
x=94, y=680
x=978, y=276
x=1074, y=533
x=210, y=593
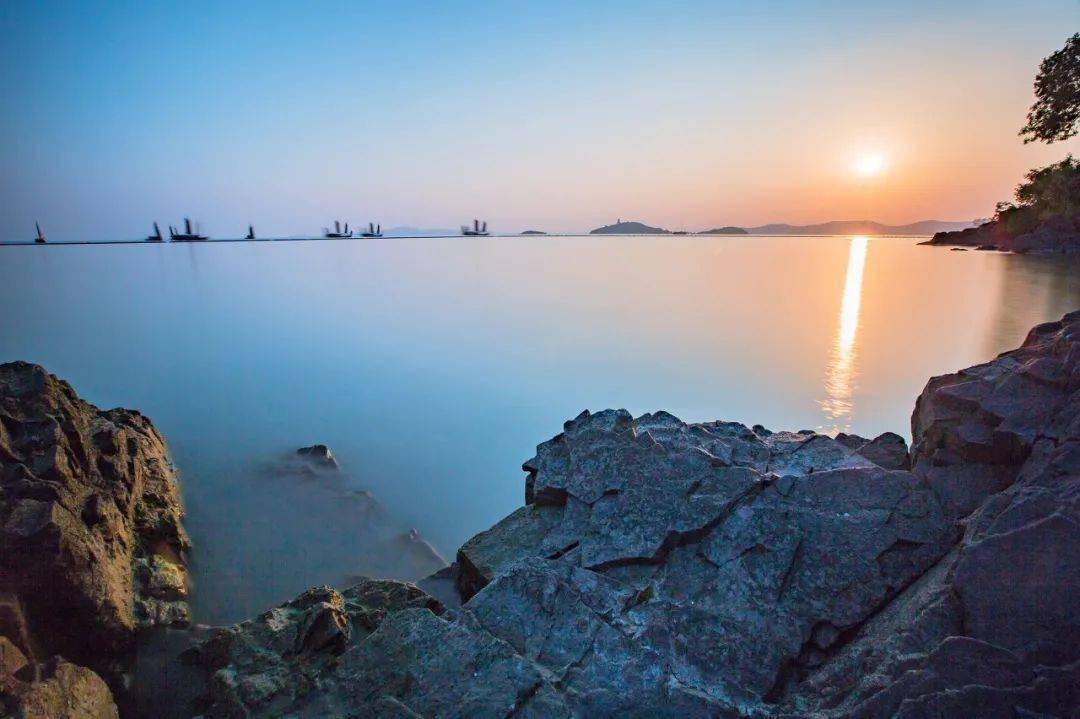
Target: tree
x=1056, y=112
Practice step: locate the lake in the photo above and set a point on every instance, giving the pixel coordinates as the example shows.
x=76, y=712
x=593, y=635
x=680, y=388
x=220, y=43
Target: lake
x=433, y=367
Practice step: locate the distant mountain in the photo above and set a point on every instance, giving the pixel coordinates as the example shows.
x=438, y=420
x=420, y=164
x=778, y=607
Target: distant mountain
x=860, y=227
x=629, y=228
x=419, y=232
x=729, y=230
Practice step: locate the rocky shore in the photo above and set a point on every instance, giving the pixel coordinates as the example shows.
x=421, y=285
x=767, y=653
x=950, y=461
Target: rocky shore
x=657, y=568
x=1060, y=234
x=93, y=545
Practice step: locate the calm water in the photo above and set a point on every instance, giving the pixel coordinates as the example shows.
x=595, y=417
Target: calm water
x=434, y=367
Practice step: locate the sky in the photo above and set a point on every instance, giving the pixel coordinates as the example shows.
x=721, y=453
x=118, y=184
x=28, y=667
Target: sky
x=559, y=116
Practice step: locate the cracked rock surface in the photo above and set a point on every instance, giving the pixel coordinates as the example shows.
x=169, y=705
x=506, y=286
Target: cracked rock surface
x=658, y=569
x=993, y=630
x=665, y=569
x=91, y=542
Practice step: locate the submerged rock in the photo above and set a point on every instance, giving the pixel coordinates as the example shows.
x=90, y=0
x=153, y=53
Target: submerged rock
x=90, y=527
x=318, y=455
x=380, y=546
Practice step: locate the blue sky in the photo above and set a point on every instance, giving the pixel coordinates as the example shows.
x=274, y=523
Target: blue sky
x=556, y=115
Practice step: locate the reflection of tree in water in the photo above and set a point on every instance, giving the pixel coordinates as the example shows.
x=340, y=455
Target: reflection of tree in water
x=1031, y=289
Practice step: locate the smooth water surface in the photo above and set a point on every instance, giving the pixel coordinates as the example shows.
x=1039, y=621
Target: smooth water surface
x=433, y=367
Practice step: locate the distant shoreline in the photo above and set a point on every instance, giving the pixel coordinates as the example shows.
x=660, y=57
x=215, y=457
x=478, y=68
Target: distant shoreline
x=225, y=240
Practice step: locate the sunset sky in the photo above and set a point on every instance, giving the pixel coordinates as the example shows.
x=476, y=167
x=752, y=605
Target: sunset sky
x=552, y=115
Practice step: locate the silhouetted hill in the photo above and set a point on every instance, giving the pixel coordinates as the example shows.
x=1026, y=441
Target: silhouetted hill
x=729, y=230
x=629, y=228
x=860, y=227
x=533, y=232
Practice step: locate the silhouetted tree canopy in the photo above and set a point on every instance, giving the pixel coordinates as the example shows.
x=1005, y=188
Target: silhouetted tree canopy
x=1046, y=192
x=1056, y=112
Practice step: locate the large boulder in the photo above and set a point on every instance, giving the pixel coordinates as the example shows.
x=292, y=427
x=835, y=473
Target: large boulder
x=90, y=526
x=56, y=689
x=992, y=630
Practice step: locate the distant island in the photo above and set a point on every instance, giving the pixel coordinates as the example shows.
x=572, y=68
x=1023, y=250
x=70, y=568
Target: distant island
x=728, y=230
x=629, y=228
x=533, y=232
x=860, y=227
x=835, y=227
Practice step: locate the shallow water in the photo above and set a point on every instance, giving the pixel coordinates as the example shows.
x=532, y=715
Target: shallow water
x=433, y=367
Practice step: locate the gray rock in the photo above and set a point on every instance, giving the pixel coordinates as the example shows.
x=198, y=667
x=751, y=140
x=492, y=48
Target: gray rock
x=319, y=456
x=664, y=569
x=90, y=526
x=57, y=689
x=661, y=569
x=1054, y=235
x=992, y=629
x=887, y=450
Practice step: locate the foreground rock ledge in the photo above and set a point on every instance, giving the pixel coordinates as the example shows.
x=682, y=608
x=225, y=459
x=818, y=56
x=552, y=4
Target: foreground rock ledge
x=90, y=527
x=1056, y=235
x=667, y=569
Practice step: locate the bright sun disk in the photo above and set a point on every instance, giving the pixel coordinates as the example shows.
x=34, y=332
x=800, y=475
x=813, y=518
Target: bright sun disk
x=870, y=165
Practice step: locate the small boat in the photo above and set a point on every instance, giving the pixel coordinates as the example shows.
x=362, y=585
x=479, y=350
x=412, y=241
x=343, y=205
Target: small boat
x=373, y=230
x=188, y=235
x=251, y=233
x=156, y=237
x=40, y=239
x=338, y=233
x=479, y=229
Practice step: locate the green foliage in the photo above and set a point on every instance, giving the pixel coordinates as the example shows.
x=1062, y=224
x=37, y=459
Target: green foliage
x=1047, y=191
x=1052, y=189
x=1056, y=112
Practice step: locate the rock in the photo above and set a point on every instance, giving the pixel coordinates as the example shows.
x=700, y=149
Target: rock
x=418, y=556
x=12, y=660
x=659, y=568
x=270, y=665
x=666, y=569
x=1054, y=235
x=992, y=629
x=851, y=441
x=319, y=456
x=888, y=451
x=93, y=546
x=61, y=690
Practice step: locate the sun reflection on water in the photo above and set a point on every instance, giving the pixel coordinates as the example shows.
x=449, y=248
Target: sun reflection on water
x=840, y=374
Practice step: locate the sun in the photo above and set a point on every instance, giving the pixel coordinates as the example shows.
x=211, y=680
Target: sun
x=870, y=164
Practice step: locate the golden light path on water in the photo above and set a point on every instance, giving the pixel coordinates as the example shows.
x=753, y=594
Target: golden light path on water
x=840, y=374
